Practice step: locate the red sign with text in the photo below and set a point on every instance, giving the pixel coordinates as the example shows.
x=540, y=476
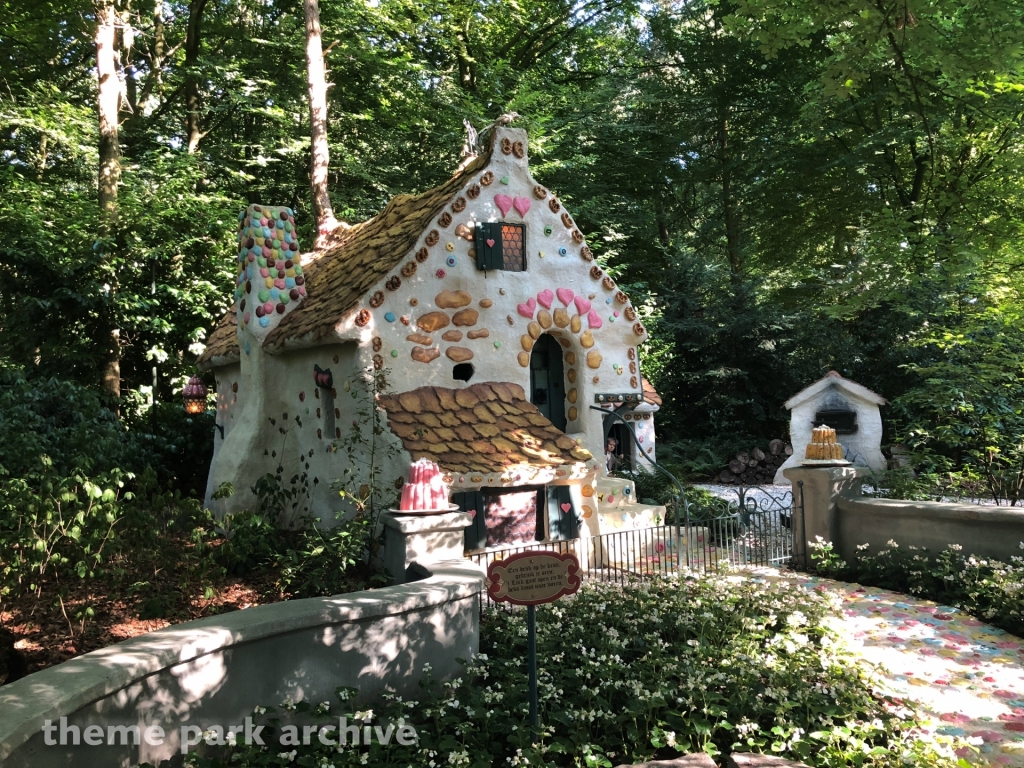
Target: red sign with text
x=533, y=578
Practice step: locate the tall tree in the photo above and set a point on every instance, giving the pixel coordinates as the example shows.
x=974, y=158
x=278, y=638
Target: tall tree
x=316, y=79
x=108, y=102
x=193, y=41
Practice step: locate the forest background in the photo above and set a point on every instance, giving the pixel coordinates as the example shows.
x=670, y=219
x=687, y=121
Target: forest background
x=784, y=187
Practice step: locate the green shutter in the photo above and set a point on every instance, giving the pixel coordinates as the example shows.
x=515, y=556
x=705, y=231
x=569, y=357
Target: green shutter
x=564, y=525
x=476, y=533
x=488, y=256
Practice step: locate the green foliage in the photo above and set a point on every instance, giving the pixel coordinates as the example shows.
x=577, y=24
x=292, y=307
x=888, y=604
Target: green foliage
x=639, y=671
x=652, y=487
x=70, y=425
x=58, y=526
x=324, y=558
x=783, y=186
x=703, y=505
x=992, y=591
x=965, y=418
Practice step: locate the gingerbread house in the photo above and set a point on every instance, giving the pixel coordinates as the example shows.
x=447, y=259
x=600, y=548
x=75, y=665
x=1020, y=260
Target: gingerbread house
x=470, y=322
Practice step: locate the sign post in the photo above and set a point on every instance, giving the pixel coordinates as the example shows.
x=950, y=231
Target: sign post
x=531, y=579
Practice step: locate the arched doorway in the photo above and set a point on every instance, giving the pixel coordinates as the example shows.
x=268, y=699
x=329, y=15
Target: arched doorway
x=547, y=380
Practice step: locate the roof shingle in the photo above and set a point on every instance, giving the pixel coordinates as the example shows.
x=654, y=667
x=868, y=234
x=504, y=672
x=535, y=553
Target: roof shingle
x=495, y=427
x=355, y=259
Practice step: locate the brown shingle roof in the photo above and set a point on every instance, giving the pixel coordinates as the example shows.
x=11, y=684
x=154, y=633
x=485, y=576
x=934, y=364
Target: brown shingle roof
x=363, y=255
x=486, y=427
x=651, y=395
x=223, y=341
x=355, y=259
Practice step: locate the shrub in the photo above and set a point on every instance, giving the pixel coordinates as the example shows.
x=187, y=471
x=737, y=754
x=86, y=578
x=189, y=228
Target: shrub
x=52, y=525
x=635, y=671
x=72, y=426
x=987, y=589
x=324, y=559
x=651, y=487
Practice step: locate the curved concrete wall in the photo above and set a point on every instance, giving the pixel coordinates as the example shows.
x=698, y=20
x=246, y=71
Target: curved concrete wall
x=216, y=670
x=834, y=509
x=995, y=532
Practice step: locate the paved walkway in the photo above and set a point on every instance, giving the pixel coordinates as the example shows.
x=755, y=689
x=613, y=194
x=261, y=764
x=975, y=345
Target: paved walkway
x=966, y=675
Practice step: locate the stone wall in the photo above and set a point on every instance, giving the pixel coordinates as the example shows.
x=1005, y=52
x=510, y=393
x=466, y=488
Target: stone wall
x=835, y=510
x=216, y=670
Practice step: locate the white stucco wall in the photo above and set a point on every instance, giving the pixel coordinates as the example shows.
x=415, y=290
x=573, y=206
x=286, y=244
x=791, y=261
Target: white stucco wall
x=286, y=420
x=492, y=312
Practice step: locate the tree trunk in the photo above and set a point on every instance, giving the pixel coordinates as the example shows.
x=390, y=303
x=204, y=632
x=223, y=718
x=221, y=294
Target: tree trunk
x=732, y=222
x=193, y=39
x=108, y=100
x=316, y=77
x=664, y=236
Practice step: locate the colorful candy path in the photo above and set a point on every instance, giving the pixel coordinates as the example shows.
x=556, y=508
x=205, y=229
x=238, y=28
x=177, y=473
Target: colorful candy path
x=967, y=676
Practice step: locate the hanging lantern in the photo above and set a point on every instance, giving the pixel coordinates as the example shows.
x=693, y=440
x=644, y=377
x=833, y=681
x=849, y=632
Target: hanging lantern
x=194, y=395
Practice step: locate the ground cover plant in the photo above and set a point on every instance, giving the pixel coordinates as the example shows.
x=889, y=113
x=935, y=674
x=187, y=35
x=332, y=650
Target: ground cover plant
x=627, y=673
x=989, y=590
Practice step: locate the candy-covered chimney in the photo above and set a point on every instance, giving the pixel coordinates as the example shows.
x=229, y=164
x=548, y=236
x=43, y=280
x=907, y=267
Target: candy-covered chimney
x=269, y=282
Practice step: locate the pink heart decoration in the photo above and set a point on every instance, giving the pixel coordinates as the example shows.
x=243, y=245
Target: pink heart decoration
x=566, y=507
x=545, y=297
x=504, y=203
x=582, y=305
x=527, y=309
x=594, y=319
x=565, y=295
x=472, y=513
x=490, y=242
x=522, y=205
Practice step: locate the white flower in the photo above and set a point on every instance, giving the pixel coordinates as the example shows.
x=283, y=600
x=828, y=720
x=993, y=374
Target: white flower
x=288, y=755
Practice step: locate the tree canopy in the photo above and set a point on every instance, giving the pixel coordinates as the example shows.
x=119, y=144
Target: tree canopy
x=784, y=186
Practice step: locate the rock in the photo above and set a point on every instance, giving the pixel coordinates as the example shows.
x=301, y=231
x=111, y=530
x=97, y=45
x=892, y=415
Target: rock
x=452, y=299
x=465, y=317
x=459, y=354
x=699, y=760
x=752, y=760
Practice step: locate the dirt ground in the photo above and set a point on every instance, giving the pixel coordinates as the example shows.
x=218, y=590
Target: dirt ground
x=65, y=620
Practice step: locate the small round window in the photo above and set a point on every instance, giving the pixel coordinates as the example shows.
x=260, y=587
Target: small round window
x=463, y=372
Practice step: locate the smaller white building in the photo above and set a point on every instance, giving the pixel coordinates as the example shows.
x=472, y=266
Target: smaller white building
x=846, y=406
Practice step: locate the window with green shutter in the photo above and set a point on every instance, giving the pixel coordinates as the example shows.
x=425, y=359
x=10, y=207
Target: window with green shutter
x=500, y=245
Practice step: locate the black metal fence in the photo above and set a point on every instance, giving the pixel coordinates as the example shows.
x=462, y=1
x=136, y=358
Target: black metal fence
x=757, y=528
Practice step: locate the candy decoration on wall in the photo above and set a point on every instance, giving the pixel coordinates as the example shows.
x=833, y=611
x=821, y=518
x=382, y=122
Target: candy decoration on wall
x=268, y=267
x=504, y=203
x=522, y=205
x=323, y=378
